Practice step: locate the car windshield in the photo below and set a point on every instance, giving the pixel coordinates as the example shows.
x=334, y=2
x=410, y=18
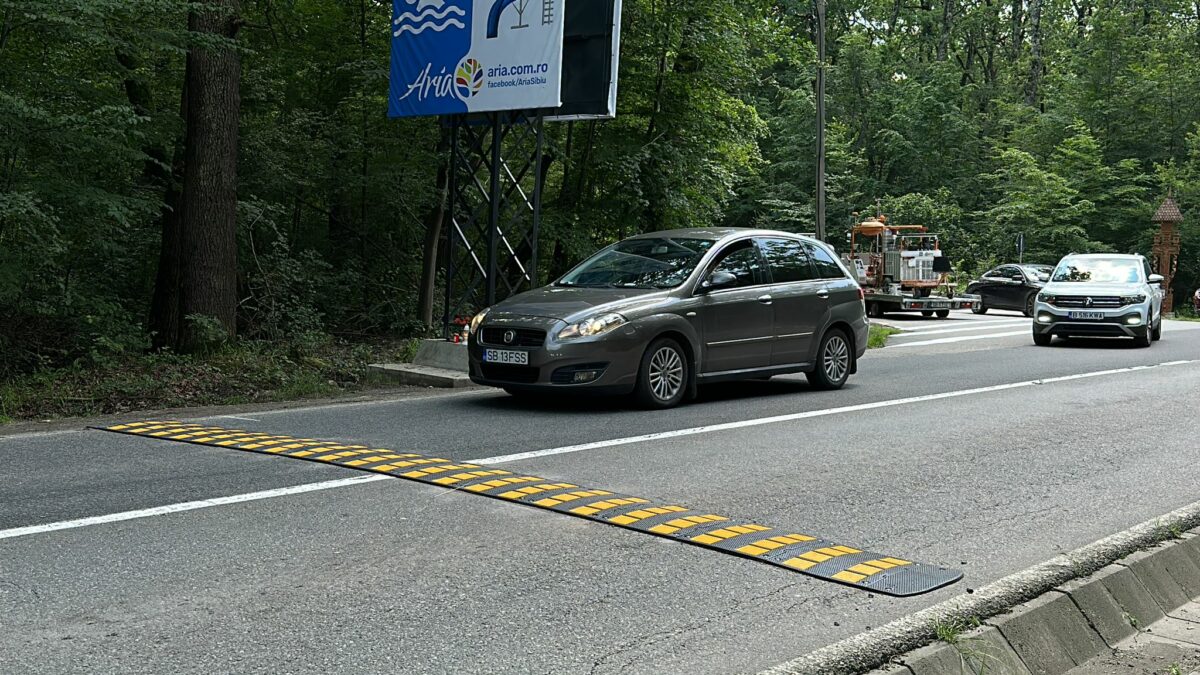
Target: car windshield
x=1099, y=270
x=1041, y=272
x=654, y=262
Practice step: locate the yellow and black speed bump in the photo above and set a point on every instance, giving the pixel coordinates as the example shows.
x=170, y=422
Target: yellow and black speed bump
x=781, y=547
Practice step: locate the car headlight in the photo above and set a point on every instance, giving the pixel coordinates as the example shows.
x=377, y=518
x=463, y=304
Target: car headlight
x=593, y=326
x=1133, y=299
x=1047, y=298
x=477, y=321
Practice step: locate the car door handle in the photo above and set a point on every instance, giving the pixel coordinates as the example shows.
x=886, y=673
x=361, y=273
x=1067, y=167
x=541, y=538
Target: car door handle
x=765, y=299
x=823, y=294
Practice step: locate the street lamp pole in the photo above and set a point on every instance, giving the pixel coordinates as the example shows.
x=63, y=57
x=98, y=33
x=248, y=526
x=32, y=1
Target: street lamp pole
x=820, y=119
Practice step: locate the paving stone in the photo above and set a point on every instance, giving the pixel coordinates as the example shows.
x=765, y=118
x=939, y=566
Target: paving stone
x=1146, y=654
x=1177, y=629
x=1189, y=612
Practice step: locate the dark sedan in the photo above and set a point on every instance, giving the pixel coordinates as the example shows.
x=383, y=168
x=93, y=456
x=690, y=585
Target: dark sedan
x=1010, y=287
x=658, y=314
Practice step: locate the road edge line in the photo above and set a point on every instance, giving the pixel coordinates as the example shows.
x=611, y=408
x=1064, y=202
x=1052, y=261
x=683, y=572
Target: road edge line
x=878, y=647
x=824, y=412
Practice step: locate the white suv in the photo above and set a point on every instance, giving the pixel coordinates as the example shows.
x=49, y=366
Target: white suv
x=1104, y=295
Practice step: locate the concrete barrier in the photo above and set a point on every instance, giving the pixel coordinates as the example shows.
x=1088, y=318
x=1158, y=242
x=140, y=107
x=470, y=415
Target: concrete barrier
x=1145, y=595
x=442, y=354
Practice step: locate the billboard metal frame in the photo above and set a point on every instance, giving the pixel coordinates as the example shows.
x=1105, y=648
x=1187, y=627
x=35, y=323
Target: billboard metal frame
x=497, y=171
x=496, y=177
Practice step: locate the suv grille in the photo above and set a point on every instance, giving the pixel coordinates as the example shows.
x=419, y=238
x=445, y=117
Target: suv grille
x=503, y=372
x=1098, y=301
x=523, y=337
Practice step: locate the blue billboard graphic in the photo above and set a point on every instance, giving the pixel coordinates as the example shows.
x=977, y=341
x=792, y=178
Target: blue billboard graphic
x=459, y=56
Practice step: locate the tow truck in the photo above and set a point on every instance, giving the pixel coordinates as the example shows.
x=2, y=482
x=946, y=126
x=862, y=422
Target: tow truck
x=901, y=267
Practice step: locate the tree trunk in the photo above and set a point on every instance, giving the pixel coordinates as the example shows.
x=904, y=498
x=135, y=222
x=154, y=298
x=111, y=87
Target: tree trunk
x=164, y=306
x=1018, y=29
x=1035, y=53
x=163, y=320
x=433, y=232
x=947, y=27
x=208, y=219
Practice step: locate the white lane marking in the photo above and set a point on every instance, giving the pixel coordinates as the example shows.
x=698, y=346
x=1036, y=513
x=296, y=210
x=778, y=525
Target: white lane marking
x=942, y=331
x=275, y=411
x=960, y=338
x=382, y=401
x=235, y=417
x=346, y=482
x=189, y=506
x=978, y=324
x=813, y=413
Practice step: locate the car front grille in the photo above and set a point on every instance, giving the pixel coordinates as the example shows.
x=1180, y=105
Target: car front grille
x=522, y=337
x=1088, y=301
x=503, y=372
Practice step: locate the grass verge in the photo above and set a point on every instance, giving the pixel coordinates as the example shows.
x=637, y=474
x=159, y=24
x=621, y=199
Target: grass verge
x=879, y=336
x=245, y=372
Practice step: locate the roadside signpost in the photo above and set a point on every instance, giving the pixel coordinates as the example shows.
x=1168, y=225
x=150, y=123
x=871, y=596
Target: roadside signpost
x=1020, y=247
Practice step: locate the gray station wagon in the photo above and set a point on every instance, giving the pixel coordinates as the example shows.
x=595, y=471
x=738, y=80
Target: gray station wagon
x=659, y=314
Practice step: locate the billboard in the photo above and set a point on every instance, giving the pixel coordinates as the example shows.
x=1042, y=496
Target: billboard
x=461, y=56
x=591, y=58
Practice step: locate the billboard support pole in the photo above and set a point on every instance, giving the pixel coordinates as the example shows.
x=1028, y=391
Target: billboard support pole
x=820, y=229
x=495, y=211
x=449, y=232
x=493, y=231
x=537, y=201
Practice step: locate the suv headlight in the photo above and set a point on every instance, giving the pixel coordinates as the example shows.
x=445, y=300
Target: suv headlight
x=593, y=326
x=1047, y=298
x=1133, y=299
x=477, y=321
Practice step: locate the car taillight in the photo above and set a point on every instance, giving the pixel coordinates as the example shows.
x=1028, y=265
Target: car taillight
x=862, y=295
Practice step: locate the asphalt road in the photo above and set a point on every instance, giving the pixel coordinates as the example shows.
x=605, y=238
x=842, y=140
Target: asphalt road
x=389, y=575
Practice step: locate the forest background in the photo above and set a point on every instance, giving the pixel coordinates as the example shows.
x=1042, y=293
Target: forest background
x=205, y=201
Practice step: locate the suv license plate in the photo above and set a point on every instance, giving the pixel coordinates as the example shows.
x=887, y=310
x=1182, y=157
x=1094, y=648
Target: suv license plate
x=506, y=356
x=1086, y=316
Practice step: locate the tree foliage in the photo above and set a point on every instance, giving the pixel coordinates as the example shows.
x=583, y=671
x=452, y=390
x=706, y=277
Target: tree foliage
x=1067, y=121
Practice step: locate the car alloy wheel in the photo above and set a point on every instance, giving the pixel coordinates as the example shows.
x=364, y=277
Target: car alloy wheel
x=665, y=374
x=836, y=358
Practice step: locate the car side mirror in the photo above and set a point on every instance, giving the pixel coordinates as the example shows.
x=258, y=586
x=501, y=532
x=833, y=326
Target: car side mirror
x=1155, y=279
x=718, y=280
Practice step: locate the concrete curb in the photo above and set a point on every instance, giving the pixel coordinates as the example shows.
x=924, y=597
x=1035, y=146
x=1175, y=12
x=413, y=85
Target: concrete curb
x=1068, y=616
x=442, y=354
x=418, y=376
